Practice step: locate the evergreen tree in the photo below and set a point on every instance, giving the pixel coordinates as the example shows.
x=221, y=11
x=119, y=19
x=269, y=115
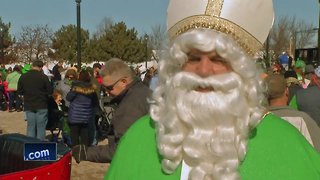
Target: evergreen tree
x=120, y=42
x=64, y=43
x=8, y=41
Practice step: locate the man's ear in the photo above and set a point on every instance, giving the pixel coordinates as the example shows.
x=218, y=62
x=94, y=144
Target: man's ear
x=124, y=81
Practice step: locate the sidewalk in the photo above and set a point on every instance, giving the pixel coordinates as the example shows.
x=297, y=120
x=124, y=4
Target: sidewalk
x=14, y=123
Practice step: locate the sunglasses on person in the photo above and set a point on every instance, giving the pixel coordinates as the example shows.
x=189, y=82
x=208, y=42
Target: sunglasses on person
x=110, y=87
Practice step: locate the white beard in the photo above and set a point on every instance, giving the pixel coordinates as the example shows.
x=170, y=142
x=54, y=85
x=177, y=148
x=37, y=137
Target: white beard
x=211, y=134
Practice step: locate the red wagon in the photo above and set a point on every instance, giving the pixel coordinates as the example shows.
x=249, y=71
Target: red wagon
x=13, y=166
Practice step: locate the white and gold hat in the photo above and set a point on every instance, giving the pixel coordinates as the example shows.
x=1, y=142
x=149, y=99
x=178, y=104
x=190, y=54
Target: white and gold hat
x=248, y=22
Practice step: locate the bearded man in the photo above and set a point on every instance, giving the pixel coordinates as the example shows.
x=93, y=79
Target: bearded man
x=208, y=113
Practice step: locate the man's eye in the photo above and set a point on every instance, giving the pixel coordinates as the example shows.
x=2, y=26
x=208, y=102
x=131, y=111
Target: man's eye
x=193, y=58
x=218, y=60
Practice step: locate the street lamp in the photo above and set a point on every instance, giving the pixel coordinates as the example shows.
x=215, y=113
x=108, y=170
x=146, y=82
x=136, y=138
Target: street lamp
x=1, y=43
x=146, y=37
x=319, y=35
x=78, y=35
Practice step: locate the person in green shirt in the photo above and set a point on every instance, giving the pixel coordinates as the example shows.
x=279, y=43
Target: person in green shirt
x=12, y=80
x=208, y=116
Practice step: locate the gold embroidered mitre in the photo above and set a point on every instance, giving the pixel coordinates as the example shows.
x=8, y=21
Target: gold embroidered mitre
x=248, y=22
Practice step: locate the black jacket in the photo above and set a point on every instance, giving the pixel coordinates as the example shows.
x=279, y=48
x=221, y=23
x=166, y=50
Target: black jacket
x=55, y=115
x=56, y=73
x=83, y=101
x=131, y=105
x=35, y=88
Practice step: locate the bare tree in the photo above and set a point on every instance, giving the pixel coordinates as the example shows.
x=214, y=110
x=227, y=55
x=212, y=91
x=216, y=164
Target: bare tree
x=288, y=34
x=280, y=35
x=157, y=40
x=34, y=42
x=304, y=34
x=158, y=36
x=103, y=26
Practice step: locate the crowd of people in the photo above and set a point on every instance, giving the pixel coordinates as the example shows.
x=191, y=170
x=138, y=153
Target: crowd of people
x=64, y=99
x=303, y=87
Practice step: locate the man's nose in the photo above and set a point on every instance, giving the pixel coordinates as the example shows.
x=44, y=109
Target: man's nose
x=205, y=67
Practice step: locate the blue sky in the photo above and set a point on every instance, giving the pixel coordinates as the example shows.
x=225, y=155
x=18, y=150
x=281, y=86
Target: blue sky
x=141, y=14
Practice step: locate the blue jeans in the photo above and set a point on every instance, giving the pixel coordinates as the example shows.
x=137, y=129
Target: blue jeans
x=37, y=121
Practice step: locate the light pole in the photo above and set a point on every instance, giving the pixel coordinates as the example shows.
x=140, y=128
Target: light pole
x=1, y=43
x=78, y=35
x=319, y=36
x=146, y=37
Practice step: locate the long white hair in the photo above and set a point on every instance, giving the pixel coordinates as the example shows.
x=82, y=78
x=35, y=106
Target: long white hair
x=209, y=131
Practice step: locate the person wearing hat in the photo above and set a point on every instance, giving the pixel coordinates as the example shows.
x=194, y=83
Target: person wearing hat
x=278, y=96
x=299, y=68
x=293, y=85
x=308, y=99
x=310, y=76
x=26, y=68
x=208, y=115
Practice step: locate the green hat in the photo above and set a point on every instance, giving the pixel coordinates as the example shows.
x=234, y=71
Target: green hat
x=26, y=68
x=300, y=64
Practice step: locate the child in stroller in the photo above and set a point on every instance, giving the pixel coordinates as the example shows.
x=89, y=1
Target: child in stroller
x=57, y=114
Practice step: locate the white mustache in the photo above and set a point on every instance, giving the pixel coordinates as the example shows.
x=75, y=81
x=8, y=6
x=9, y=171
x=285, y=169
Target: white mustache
x=222, y=82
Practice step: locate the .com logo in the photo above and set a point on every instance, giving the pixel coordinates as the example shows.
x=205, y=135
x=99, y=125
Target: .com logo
x=40, y=151
x=39, y=155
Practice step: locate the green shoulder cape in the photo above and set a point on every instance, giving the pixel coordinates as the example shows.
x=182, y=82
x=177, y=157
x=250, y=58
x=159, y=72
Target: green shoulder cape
x=276, y=150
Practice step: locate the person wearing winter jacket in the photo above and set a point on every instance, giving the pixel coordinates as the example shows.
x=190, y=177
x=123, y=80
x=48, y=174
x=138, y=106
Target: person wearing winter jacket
x=83, y=99
x=129, y=96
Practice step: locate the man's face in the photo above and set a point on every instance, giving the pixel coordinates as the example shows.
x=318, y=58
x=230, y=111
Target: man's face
x=96, y=71
x=276, y=71
x=205, y=65
x=298, y=70
x=114, y=87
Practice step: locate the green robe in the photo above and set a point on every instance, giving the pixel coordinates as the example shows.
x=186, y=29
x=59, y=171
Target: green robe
x=276, y=150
